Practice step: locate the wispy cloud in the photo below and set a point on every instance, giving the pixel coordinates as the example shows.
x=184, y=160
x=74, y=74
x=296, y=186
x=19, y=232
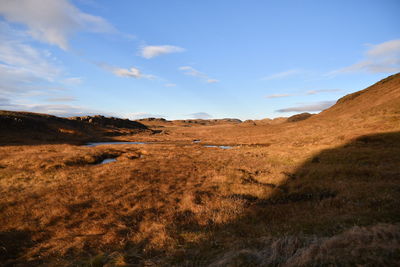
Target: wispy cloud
x=170, y=85
x=283, y=74
x=62, y=110
x=380, y=58
x=73, y=80
x=314, y=92
x=23, y=68
x=278, y=95
x=310, y=92
x=141, y=115
x=4, y=102
x=200, y=115
x=61, y=99
x=318, y=106
x=132, y=72
x=188, y=70
x=152, y=51
x=54, y=21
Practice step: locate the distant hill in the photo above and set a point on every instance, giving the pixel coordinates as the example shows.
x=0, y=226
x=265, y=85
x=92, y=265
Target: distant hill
x=25, y=127
x=299, y=117
x=161, y=122
x=381, y=98
x=102, y=121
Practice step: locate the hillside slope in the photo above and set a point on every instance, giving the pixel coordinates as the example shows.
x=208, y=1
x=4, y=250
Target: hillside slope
x=28, y=127
x=381, y=98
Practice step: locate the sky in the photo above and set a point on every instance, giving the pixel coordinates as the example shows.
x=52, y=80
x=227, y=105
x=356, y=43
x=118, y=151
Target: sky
x=176, y=59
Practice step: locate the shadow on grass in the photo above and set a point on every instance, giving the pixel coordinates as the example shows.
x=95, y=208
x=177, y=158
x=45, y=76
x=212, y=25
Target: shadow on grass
x=13, y=245
x=325, y=200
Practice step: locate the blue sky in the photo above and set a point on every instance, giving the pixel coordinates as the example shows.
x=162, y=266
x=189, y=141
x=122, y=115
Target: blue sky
x=192, y=59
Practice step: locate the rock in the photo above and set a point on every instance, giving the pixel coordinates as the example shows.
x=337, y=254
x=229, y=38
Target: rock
x=299, y=117
x=110, y=122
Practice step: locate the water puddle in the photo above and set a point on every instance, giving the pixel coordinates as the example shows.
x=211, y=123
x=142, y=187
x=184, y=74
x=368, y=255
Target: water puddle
x=105, y=161
x=196, y=141
x=114, y=143
x=222, y=147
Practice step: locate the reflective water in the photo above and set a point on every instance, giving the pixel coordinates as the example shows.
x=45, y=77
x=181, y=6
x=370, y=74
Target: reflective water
x=114, y=143
x=105, y=161
x=222, y=147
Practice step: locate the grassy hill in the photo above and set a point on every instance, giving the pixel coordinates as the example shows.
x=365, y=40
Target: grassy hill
x=30, y=128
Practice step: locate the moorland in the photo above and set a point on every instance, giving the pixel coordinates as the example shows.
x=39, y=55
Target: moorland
x=310, y=190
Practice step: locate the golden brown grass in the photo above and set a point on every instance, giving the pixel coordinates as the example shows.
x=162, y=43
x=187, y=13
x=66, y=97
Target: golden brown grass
x=180, y=201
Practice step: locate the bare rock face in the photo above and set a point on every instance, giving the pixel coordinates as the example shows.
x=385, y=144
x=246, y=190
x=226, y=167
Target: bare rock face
x=299, y=117
x=110, y=122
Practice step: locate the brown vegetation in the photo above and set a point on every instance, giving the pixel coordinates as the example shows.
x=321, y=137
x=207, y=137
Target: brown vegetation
x=28, y=128
x=322, y=191
x=299, y=117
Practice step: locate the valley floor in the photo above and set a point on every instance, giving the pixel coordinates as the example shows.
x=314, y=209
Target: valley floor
x=311, y=201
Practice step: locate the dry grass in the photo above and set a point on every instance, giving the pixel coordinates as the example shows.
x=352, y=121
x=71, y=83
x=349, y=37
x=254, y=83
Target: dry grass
x=165, y=204
x=377, y=245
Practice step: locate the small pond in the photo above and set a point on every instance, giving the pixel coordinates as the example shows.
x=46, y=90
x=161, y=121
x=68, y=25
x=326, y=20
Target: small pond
x=222, y=147
x=105, y=161
x=114, y=143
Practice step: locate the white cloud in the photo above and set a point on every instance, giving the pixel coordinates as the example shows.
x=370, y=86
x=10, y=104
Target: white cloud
x=24, y=68
x=281, y=75
x=132, y=72
x=170, y=85
x=318, y=106
x=212, y=81
x=314, y=92
x=73, y=80
x=52, y=21
x=310, y=92
x=4, y=102
x=140, y=115
x=154, y=50
x=192, y=72
x=57, y=110
x=391, y=48
x=380, y=58
x=188, y=70
x=278, y=95
x=200, y=115
x=61, y=99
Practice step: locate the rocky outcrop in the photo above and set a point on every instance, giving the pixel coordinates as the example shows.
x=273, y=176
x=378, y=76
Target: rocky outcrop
x=153, y=120
x=28, y=127
x=110, y=122
x=299, y=117
x=209, y=122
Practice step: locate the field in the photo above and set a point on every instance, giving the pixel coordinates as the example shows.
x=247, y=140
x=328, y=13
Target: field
x=318, y=192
